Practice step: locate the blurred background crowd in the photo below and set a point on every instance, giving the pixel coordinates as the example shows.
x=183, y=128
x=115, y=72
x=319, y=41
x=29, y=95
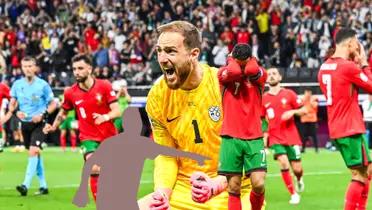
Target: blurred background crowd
x=121, y=34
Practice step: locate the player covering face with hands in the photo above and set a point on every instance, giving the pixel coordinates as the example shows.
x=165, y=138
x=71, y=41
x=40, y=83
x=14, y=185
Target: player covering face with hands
x=340, y=77
x=242, y=148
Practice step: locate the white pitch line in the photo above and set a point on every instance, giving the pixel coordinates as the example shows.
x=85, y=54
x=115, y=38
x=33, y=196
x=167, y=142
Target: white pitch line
x=150, y=181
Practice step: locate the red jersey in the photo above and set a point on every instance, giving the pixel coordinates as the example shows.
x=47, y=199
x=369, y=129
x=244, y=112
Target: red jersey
x=281, y=132
x=4, y=92
x=339, y=81
x=241, y=101
x=96, y=100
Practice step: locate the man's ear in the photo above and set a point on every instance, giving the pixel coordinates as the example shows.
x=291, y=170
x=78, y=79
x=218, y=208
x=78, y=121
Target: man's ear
x=195, y=54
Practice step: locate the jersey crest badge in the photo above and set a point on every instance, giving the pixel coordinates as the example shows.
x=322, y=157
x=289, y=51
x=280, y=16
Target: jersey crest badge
x=99, y=99
x=214, y=113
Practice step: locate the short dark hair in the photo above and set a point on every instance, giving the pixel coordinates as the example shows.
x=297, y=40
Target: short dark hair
x=189, y=31
x=242, y=51
x=29, y=58
x=83, y=57
x=343, y=34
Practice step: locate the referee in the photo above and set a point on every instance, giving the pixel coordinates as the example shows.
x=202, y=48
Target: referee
x=31, y=100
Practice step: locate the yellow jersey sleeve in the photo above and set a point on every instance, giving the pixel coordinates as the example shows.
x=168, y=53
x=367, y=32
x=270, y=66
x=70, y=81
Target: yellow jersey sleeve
x=166, y=167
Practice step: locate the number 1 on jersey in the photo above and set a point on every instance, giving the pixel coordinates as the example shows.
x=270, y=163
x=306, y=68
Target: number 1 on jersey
x=198, y=139
x=327, y=81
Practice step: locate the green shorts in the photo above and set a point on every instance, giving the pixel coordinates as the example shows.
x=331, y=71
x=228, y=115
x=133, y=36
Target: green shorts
x=354, y=150
x=89, y=146
x=118, y=124
x=264, y=125
x=236, y=154
x=67, y=124
x=293, y=152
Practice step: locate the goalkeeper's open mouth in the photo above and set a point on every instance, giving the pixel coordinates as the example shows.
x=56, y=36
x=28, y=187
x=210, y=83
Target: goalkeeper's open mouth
x=170, y=73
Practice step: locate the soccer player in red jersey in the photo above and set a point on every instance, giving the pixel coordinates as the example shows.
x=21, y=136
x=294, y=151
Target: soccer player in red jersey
x=4, y=93
x=96, y=106
x=242, y=144
x=340, y=77
x=280, y=105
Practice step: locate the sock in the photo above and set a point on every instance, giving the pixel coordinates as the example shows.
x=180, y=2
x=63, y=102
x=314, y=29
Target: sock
x=364, y=196
x=287, y=178
x=40, y=172
x=62, y=141
x=17, y=142
x=298, y=174
x=257, y=200
x=353, y=194
x=73, y=141
x=30, y=171
x=94, y=185
x=234, y=202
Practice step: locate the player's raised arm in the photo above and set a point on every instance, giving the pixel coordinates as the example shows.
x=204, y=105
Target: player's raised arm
x=231, y=72
x=361, y=75
x=256, y=73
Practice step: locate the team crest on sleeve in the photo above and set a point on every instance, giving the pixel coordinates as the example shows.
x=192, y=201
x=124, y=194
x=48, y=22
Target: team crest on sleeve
x=214, y=113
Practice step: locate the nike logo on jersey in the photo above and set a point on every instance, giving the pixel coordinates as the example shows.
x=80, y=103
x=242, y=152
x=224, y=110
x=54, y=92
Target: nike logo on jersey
x=267, y=105
x=170, y=120
x=78, y=102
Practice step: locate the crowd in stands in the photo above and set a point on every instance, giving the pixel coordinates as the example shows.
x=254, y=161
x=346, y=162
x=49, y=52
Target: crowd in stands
x=121, y=34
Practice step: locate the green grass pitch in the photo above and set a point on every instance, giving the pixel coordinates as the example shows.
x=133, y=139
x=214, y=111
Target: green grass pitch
x=326, y=179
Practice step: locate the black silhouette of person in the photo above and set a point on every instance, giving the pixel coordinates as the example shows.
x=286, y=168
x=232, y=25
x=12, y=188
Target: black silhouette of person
x=121, y=158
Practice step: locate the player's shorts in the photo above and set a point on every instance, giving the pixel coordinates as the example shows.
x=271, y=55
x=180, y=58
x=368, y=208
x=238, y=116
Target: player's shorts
x=265, y=125
x=354, y=150
x=118, y=124
x=293, y=152
x=67, y=124
x=33, y=134
x=15, y=123
x=236, y=154
x=89, y=146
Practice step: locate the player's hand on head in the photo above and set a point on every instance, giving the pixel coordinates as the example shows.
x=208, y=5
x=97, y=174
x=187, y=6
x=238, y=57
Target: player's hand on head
x=233, y=64
x=159, y=201
x=362, y=55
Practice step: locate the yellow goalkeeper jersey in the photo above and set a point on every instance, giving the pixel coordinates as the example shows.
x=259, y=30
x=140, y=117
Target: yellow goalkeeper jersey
x=189, y=121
